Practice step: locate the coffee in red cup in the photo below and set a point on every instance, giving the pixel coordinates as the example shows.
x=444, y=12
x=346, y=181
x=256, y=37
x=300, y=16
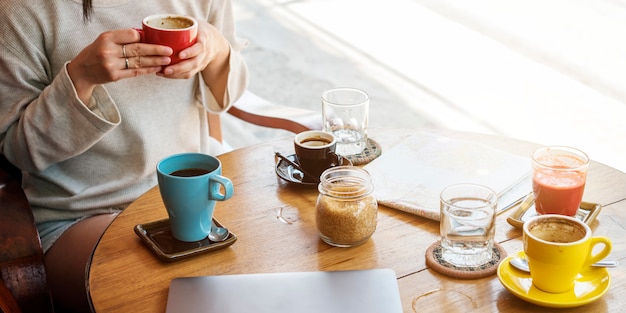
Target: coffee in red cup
x=175, y=31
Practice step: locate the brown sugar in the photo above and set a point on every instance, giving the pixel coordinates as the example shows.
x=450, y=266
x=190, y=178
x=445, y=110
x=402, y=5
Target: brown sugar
x=345, y=221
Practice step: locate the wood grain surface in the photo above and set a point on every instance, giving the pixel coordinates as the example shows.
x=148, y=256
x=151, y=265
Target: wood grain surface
x=275, y=225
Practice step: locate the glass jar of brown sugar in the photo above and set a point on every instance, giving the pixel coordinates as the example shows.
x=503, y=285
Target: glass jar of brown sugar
x=346, y=210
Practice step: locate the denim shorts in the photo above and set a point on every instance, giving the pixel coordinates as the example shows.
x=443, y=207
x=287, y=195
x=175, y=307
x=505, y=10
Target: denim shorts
x=49, y=232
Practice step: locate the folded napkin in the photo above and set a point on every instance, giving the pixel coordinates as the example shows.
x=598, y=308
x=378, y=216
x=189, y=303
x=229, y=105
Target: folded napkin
x=411, y=175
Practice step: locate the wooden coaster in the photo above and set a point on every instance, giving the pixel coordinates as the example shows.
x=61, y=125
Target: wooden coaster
x=371, y=152
x=435, y=261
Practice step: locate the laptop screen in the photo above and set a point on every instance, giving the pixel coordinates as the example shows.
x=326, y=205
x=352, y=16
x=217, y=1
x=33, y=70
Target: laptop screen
x=359, y=291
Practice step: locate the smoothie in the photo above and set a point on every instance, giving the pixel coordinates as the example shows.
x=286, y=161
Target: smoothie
x=559, y=175
x=558, y=193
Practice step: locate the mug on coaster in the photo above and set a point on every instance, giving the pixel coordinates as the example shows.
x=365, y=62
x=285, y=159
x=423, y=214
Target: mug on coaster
x=190, y=186
x=175, y=31
x=558, y=248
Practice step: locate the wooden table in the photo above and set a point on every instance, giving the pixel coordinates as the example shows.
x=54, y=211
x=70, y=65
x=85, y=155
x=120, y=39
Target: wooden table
x=127, y=277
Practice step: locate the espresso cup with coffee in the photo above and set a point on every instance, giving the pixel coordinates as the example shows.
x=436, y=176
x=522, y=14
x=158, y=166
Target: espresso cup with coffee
x=175, y=31
x=190, y=185
x=558, y=248
x=315, y=151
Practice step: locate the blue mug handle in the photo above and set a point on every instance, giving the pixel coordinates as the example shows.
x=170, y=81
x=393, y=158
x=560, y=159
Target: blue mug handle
x=214, y=190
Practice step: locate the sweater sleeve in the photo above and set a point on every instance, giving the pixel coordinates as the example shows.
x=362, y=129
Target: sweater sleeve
x=44, y=121
x=221, y=16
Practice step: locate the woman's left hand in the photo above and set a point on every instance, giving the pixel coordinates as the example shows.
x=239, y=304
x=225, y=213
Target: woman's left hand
x=210, y=46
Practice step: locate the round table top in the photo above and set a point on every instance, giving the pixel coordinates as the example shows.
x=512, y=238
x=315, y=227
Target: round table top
x=274, y=222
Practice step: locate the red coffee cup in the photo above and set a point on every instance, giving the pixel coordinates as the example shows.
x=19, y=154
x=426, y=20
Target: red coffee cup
x=175, y=31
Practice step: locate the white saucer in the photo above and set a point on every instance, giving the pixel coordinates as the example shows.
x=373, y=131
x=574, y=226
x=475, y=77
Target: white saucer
x=588, y=286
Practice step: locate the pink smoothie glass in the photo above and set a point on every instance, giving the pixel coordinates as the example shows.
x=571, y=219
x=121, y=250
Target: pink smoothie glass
x=559, y=176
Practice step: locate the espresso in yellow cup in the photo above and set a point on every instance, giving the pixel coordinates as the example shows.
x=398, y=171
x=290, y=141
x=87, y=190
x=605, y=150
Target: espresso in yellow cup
x=558, y=248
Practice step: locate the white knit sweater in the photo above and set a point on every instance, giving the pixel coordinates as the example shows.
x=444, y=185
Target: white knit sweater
x=79, y=162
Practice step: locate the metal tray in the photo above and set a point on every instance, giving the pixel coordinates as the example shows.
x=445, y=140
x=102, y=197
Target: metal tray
x=158, y=238
x=526, y=210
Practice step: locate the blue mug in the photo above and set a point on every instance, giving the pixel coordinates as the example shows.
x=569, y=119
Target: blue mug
x=190, y=186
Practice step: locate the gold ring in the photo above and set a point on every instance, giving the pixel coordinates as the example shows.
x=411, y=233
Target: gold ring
x=124, y=50
x=126, y=59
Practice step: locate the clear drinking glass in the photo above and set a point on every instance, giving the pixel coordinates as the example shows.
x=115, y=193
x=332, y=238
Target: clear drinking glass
x=467, y=224
x=345, y=112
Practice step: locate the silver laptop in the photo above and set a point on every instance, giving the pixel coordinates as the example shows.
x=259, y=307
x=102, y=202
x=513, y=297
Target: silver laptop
x=359, y=291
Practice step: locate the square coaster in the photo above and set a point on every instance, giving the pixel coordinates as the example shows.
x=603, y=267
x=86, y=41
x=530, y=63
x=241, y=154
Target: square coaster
x=158, y=238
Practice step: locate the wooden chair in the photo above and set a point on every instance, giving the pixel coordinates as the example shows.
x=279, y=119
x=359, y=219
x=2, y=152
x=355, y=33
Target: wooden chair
x=258, y=111
x=7, y=301
x=23, y=285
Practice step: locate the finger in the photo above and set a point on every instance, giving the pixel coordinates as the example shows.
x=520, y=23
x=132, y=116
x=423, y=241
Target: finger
x=190, y=52
x=180, y=69
x=134, y=72
x=177, y=72
x=145, y=61
x=144, y=49
x=125, y=36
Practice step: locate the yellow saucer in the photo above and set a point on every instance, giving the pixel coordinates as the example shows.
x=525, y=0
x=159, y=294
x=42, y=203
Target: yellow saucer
x=588, y=286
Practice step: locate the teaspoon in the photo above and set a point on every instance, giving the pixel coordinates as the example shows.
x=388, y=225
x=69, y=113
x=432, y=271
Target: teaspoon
x=522, y=264
x=297, y=166
x=218, y=234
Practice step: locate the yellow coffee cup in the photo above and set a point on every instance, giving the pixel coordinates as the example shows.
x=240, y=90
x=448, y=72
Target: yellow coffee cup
x=558, y=248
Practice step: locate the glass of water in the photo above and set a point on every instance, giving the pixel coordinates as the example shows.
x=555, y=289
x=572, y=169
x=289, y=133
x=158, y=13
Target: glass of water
x=468, y=213
x=345, y=112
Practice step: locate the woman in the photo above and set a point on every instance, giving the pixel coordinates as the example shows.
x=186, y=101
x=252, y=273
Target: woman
x=86, y=129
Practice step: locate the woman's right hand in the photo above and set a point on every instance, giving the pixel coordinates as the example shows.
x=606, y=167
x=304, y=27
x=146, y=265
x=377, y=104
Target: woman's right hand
x=115, y=55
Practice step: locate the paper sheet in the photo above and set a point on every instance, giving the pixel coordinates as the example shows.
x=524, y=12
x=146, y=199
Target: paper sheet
x=411, y=175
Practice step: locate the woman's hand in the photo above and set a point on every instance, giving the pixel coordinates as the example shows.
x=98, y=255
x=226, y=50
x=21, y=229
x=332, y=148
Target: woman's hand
x=211, y=48
x=210, y=55
x=115, y=55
